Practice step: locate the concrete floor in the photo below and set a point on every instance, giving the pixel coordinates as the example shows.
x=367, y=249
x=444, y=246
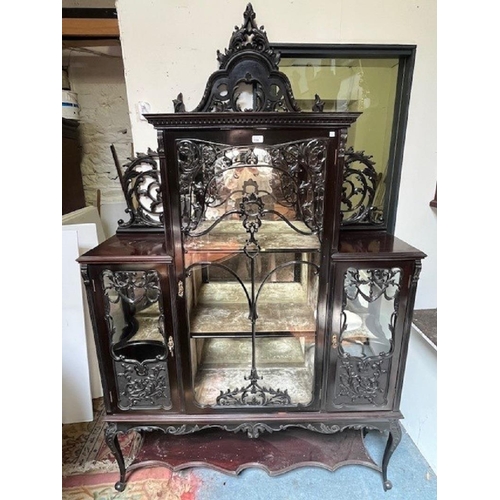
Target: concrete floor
x=411, y=476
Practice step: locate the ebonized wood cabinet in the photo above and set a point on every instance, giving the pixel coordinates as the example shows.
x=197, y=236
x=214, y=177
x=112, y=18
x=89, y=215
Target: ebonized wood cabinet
x=233, y=298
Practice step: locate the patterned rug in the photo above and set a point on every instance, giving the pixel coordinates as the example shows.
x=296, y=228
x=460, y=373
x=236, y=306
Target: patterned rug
x=84, y=448
x=89, y=470
x=144, y=484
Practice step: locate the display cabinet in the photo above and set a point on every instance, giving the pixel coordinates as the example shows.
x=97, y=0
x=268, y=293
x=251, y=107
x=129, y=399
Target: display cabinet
x=233, y=298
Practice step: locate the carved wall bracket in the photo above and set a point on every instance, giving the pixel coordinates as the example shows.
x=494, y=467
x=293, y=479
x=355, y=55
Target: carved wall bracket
x=142, y=190
x=249, y=37
x=360, y=182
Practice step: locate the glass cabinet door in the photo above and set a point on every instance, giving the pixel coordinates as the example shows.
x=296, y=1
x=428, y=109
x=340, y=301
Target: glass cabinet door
x=252, y=220
x=369, y=311
x=138, y=343
x=367, y=334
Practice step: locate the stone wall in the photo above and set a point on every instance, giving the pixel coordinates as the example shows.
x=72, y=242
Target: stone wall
x=104, y=120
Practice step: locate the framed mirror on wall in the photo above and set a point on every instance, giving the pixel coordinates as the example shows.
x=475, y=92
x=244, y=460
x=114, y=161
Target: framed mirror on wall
x=372, y=79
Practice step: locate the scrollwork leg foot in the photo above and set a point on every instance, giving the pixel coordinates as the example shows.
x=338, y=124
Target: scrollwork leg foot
x=111, y=435
x=392, y=443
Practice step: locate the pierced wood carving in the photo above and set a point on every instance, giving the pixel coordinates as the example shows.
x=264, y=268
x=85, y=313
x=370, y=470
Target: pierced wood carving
x=358, y=190
x=298, y=171
x=365, y=379
x=142, y=190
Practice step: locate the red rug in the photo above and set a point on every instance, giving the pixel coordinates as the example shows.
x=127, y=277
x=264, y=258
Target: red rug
x=89, y=470
x=143, y=484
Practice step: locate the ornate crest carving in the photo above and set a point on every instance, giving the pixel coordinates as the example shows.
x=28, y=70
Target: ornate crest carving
x=248, y=78
x=249, y=36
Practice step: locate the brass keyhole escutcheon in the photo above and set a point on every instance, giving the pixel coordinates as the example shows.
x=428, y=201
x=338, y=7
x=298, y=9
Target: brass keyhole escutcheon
x=335, y=341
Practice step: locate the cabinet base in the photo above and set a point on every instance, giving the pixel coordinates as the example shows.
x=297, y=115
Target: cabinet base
x=275, y=453
x=230, y=453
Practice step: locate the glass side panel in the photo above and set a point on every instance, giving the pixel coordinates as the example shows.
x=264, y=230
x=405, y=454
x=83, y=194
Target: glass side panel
x=134, y=315
x=353, y=84
x=370, y=309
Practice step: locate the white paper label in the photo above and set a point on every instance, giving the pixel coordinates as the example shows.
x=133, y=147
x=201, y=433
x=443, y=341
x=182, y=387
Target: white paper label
x=257, y=139
x=332, y=133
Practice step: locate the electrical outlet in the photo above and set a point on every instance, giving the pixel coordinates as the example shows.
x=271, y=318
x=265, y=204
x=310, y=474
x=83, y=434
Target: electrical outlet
x=143, y=108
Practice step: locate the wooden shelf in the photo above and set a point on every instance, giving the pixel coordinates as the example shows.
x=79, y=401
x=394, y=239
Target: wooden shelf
x=273, y=236
x=85, y=27
x=284, y=363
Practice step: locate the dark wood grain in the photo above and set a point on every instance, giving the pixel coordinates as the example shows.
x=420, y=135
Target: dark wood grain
x=123, y=248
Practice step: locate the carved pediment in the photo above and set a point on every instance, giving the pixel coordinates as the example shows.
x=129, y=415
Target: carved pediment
x=248, y=78
x=248, y=37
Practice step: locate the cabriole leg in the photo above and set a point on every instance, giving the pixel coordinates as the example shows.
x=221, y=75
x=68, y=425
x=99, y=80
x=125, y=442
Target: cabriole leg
x=111, y=435
x=392, y=443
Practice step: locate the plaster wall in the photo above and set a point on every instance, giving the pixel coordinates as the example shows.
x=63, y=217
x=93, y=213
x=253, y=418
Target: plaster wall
x=170, y=47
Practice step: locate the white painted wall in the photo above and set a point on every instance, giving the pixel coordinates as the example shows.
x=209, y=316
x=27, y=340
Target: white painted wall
x=419, y=397
x=170, y=47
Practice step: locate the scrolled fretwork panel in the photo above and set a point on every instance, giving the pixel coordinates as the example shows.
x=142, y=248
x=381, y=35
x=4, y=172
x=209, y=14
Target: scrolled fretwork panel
x=359, y=189
x=142, y=189
x=367, y=331
x=289, y=178
x=135, y=320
